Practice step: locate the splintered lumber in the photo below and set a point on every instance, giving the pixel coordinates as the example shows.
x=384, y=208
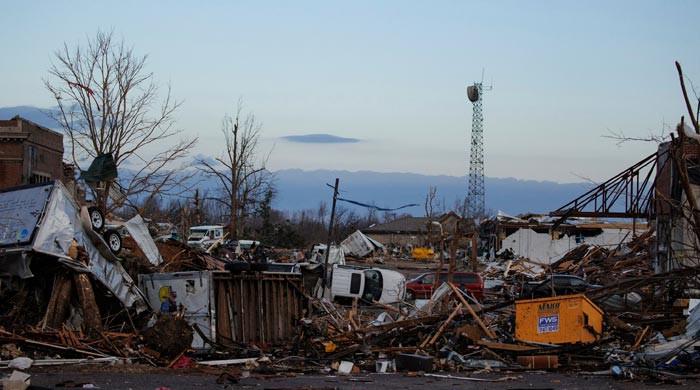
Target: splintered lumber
x=410, y=323
x=17, y=338
x=61, y=362
x=227, y=362
x=505, y=346
x=478, y=320
x=345, y=352
x=386, y=307
x=502, y=379
x=640, y=337
x=57, y=309
x=448, y=321
x=86, y=296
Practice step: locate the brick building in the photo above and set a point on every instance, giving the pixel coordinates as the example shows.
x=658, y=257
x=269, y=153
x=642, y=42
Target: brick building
x=29, y=153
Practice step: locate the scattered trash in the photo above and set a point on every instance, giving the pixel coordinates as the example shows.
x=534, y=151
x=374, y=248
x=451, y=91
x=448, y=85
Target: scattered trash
x=20, y=363
x=345, y=368
x=413, y=362
x=384, y=366
x=539, y=362
x=16, y=381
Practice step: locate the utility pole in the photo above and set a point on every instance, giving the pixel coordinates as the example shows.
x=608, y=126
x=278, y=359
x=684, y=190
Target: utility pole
x=330, y=235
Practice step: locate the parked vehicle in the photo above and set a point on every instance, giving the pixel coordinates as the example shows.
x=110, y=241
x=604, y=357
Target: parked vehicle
x=367, y=284
x=555, y=285
x=422, y=286
x=569, y=284
x=203, y=236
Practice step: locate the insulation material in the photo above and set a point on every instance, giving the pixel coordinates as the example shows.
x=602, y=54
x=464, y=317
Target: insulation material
x=139, y=232
x=359, y=245
x=541, y=248
x=61, y=224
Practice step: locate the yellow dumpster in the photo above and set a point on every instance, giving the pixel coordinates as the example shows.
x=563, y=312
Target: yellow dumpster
x=422, y=253
x=558, y=320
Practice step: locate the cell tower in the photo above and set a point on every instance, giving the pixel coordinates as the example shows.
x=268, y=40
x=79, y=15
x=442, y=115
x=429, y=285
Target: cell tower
x=476, y=197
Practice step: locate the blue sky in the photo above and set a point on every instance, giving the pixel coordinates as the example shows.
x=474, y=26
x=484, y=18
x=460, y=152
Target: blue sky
x=393, y=74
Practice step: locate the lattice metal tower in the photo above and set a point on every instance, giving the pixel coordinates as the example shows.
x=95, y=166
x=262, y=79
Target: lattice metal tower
x=477, y=195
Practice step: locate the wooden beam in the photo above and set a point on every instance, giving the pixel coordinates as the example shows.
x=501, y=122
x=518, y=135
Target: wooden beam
x=431, y=340
x=486, y=330
x=505, y=346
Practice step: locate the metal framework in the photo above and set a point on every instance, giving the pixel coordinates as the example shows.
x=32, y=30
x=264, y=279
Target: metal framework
x=629, y=194
x=477, y=193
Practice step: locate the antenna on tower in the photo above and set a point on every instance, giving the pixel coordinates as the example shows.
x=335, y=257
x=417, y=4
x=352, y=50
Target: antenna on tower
x=476, y=197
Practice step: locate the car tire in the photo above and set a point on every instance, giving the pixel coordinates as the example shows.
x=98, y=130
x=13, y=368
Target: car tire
x=410, y=296
x=97, y=219
x=113, y=240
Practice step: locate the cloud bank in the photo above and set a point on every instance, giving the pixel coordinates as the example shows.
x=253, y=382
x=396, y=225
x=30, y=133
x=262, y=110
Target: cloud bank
x=320, y=139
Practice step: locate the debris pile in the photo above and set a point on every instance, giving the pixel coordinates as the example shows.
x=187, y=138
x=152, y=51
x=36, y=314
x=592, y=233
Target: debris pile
x=594, y=309
x=600, y=265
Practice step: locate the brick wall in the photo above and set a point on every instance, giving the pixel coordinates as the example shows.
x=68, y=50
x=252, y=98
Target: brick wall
x=10, y=174
x=28, y=150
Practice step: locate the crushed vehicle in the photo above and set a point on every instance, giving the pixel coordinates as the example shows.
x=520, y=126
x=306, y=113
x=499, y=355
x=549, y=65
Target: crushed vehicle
x=367, y=284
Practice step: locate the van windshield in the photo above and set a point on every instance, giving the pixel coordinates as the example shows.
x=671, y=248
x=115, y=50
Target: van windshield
x=373, y=285
x=197, y=234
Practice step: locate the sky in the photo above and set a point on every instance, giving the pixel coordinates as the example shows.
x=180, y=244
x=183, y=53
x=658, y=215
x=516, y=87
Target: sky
x=393, y=75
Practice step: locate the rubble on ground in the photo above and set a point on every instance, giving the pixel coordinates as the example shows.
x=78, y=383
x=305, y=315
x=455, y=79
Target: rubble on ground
x=65, y=313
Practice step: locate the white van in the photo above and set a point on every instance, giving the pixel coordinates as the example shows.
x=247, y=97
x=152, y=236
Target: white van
x=369, y=284
x=203, y=236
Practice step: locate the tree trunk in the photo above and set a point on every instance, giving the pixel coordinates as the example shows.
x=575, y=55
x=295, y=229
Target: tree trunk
x=57, y=309
x=92, y=320
x=234, y=217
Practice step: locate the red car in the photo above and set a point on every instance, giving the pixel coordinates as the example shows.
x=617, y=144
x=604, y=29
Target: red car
x=422, y=286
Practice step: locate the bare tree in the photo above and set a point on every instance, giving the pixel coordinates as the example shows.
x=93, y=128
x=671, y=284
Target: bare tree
x=322, y=211
x=461, y=207
x=109, y=103
x=242, y=178
x=431, y=203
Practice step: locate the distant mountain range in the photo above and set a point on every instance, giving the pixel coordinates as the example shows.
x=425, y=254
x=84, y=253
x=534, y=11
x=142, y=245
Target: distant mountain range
x=37, y=115
x=299, y=190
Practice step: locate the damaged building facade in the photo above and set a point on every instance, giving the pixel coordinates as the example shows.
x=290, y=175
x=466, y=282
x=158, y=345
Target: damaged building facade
x=410, y=230
x=533, y=236
x=678, y=162
x=30, y=153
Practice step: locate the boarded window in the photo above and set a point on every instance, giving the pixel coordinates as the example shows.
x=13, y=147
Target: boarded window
x=355, y=281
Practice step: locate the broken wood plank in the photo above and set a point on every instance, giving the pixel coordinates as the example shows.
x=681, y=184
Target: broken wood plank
x=505, y=346
x=478, y=320
x=442, y=327
x=640, y=337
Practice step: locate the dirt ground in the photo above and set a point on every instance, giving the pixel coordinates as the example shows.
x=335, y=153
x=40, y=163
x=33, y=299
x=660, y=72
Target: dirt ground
x=126, y=378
